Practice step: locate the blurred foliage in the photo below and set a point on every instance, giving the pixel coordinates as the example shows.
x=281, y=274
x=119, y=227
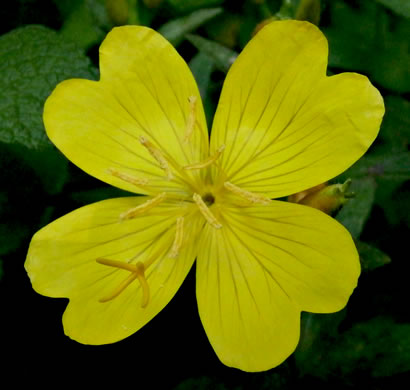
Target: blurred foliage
x=46, y=41
x=379, y=346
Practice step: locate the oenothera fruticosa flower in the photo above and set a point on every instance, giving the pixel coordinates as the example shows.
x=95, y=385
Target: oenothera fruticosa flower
x=281, y=126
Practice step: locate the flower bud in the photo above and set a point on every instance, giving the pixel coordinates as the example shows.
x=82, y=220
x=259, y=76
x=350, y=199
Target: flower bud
x=325, y=198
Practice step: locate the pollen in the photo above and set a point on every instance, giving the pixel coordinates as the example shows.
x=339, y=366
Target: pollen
x=190, y=124
x=206, y=212
x=156, y=153
x=143, y=208
x=247, y=195
x=179, y=234
x=207, y=162
x=128, y=178
x=137, y=272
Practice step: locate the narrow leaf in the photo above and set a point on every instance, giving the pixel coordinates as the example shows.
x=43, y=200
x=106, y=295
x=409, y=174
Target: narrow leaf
x=176, y=29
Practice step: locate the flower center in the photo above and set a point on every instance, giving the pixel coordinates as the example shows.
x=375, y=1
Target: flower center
x=195, y=186
x=208, y=199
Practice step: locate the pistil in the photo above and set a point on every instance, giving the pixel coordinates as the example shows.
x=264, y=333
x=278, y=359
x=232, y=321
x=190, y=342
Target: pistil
x=206, y=212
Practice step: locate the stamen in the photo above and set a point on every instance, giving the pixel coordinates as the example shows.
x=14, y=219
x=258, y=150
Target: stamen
x=116, y=264
x=143, y=283
x=142, y=208
x=122, y=286
x=137, y=272
x=190, y=124
x=206, y=212
x=158, y=156
x=207, y=162
x=179, y=234
x=128, y=178
x=252, y=197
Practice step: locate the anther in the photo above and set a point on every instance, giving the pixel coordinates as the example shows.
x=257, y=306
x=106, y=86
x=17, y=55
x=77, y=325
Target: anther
x=206, y=212
x=179, y=234
x=137, y=272
x=163, y=163
x=190, y=124
x=142, y=208
x=128, y=178
x=207, y=162
x=252, y=197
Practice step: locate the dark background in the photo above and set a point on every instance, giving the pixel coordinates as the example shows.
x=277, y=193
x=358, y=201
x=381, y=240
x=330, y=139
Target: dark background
x=365, y=345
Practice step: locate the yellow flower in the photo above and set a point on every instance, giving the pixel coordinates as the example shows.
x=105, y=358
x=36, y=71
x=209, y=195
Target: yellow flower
x=281, y=126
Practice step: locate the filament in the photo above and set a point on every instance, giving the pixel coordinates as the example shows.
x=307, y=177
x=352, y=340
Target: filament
x=191, y=118
x=179, y=234
x=156, y=153
x=142, y=208
x=128, y=178
x=207, y=162
x=137, y=272
x=252, y=197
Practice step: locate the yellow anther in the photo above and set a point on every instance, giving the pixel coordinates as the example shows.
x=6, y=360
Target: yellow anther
x=128, y=178
x=179, y=234
x=137, y=272
x=142, y=208
x=190, y=124
x=206, y=212
x=156, y=153
x=207, y=162
x=252, y=197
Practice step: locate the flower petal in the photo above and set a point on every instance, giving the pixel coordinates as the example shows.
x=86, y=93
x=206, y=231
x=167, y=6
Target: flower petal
x=264, y=266
x=61, y=262
x=145, y=90
x=298, y=127
x=250, y=321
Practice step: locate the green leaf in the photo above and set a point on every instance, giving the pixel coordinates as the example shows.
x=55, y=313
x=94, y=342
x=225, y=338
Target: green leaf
x=355, y=212
x=396, y=204
x=80, y=27
x=222, y=56
x=119, y=11
x=395, y=130
x=309, y=10
x=369, y=40
x=184, y=7
x=382, y=165
x=33, y=60
x=401, y=7
x=316, y=329
x=287, y=9
x=371, y=257
x=20, y=203
x=176, y=29
x=379, y=347
x=202, y=67
x=351, y=35
x=201, y=383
